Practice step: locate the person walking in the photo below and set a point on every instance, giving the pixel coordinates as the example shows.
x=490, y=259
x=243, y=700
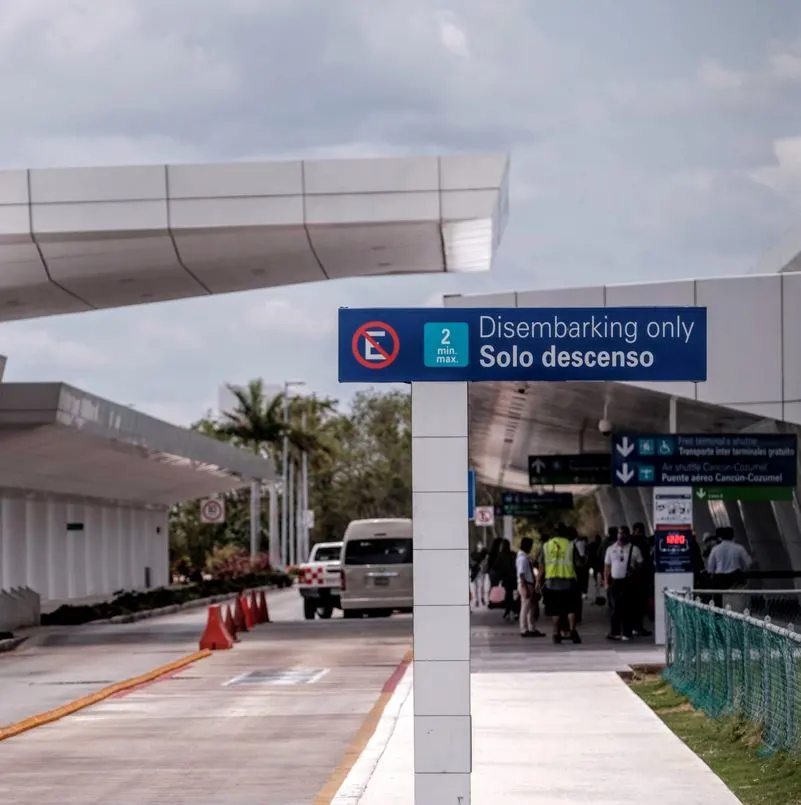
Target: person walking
x=526, y=589
x=643, y=586
x=558, y=579
x=479, y=560
x=727, y=563
x=506, y=567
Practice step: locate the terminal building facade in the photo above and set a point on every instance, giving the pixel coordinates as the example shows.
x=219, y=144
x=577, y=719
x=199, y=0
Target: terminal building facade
x=753, y=385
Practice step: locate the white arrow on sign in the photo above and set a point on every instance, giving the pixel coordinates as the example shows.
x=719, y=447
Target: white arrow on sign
x=624, y=473
x=539, y=466
x=700, y=493
x=625, y=448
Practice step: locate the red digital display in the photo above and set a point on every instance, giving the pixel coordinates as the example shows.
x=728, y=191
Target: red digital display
x=676, y=539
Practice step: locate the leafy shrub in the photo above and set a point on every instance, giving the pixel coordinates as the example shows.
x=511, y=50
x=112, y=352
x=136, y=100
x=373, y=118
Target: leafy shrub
x=231, y=562
x=126, y=602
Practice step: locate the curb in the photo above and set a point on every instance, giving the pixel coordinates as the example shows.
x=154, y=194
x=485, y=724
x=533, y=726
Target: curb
x=330, y=792
x=637, y=670
x=11, y=644
x=50, y=716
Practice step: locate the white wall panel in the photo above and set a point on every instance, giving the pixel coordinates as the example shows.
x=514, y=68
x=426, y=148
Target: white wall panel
x=111, y=553
x=745, y=339
x=665, y=294
x=57, y=540
x=37, y=546
x=791, y=328
x=563, y=297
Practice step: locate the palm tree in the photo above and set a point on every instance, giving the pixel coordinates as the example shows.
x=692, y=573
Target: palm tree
x=310, y=421
x=256, y=421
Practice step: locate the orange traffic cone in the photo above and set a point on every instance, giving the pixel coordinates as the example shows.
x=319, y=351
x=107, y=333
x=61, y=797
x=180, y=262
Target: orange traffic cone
x=255, y=609
x=265, y=612
x=230, y=623
x=240, y=616
x=215, y=636
x=249, y=624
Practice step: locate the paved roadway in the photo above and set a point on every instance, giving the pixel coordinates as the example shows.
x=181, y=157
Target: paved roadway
x=197, y=736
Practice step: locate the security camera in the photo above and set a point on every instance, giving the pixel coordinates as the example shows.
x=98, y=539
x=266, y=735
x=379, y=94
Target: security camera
x=605, y=426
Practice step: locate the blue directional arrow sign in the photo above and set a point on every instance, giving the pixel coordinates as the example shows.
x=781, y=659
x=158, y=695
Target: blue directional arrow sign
x=471, y=494
x=533, y=504
x=706, y=459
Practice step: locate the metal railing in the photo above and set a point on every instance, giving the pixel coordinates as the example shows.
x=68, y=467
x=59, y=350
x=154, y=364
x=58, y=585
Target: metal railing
x=731, y=663
x=782, y=607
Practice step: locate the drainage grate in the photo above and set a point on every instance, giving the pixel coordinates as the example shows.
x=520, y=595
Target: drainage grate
x=275, y=676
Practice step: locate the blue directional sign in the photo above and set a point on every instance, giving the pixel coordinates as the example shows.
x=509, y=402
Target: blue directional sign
x=575, y=468
x=533, y=504
x=471, y=494
x=704, y=459
x=402, y=345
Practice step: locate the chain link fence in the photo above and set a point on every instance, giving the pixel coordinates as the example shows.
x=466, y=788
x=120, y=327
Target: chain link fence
x=730, y=663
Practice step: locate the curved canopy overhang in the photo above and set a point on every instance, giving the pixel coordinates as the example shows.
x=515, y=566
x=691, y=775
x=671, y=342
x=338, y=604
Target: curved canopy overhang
x=81, y=239
x=754, y=374
x=59, y=440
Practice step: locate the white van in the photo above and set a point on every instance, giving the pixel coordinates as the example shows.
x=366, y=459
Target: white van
x=376, y=568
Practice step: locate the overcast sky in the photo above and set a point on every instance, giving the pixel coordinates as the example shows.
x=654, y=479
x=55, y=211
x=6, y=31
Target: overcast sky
x=650, y=139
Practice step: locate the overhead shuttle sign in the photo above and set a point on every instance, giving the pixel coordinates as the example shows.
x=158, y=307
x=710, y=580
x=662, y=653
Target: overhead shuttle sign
x=704, y=459
x=394, y=345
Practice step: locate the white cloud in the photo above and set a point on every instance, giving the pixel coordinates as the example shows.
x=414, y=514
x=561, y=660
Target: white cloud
x=453, y=36
x=281, y=317
x=783, y=175
x=628, y=160
x=169, y=334
x=35, y=344
x=785, y=65
x=714, y=75
x=183, y=414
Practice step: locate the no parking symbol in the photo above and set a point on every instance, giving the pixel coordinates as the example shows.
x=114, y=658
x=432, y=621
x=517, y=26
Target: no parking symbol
x=212, y=511
x=375, y=345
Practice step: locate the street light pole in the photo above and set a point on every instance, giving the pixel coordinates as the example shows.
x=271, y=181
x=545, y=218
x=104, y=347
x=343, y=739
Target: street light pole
x=275, y=548
x=285, y=480
x=286, y=494
x=292, y=500
x=304, y=498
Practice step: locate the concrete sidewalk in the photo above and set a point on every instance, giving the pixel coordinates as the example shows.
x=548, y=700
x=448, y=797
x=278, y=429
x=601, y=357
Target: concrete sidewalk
x=567, y=737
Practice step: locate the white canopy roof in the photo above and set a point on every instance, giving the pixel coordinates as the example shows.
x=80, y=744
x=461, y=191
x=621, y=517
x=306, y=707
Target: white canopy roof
x=87, y=238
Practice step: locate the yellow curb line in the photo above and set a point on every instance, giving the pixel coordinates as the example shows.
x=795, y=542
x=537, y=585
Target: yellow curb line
x=358, y=744
x=50, y=716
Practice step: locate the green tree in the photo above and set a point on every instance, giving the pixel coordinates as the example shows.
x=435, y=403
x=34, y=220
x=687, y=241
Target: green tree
x=368, y=472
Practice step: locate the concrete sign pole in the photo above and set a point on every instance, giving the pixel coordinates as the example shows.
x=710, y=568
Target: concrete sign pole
x=672, y=509
x=441, y=666
x=439, y=352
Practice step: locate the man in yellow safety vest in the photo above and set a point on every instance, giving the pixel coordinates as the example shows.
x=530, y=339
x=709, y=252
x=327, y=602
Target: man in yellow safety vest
x=558, y=580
